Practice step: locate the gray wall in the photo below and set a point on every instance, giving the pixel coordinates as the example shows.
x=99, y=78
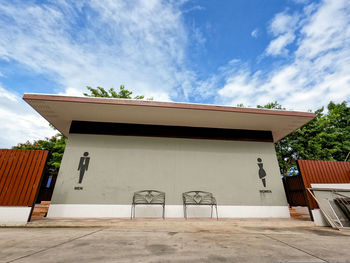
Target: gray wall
x=121, y=165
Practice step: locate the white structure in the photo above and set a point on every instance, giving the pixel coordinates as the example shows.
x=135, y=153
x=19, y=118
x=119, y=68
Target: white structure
x=116, y=147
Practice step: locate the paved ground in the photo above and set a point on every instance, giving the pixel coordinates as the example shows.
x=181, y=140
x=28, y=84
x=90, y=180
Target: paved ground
x=153, y=240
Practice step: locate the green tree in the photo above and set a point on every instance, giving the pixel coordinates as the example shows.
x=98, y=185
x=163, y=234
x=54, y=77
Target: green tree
x=55, y=145
x=326, y=137
x=111, y=93
x=272, y=105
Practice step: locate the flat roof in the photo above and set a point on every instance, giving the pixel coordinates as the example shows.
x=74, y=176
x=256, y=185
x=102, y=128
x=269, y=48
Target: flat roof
x=60, y=111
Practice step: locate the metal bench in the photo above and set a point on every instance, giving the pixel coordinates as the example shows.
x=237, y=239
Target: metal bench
x=199, y=198
x=147, y=197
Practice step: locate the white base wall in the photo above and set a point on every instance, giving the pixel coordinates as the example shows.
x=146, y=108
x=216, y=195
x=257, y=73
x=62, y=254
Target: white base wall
x=171, y=211
x=14, y=215
x=319, y=219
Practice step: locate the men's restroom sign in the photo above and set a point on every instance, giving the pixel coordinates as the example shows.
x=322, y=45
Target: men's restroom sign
x=262, y=173
x=83, y=166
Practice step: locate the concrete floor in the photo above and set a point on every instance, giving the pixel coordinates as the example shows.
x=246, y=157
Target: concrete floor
x=170, y=240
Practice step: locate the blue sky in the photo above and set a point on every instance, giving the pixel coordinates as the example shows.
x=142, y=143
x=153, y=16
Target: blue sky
x=296, y=52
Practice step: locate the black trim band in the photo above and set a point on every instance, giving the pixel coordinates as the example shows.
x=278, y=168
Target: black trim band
x=106, y=128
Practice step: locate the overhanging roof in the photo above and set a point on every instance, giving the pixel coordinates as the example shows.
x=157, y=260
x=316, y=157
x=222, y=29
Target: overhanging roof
x=61, y=110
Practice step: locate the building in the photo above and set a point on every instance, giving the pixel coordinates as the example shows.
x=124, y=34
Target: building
x=116, y=147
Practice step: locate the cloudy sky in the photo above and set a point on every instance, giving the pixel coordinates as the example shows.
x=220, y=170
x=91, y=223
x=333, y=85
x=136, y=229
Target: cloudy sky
x=296, y=52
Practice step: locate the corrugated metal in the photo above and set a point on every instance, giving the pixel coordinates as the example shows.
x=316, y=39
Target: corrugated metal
x=20, y=174
x=323, y=172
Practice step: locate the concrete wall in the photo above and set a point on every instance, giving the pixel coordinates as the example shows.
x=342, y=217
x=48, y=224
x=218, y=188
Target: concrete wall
x=121, y=165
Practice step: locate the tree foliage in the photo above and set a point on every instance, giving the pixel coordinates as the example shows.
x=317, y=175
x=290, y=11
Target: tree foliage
x=111, y=93
x=272, y=105
x=327, y=137
x=55, y=145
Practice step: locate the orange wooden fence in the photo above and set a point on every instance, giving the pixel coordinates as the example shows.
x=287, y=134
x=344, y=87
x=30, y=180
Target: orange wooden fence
x=323, y=172
x=20, y=175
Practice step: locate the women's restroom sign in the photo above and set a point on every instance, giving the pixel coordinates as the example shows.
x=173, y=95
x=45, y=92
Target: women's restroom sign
x=262, y=175
x=82, y=168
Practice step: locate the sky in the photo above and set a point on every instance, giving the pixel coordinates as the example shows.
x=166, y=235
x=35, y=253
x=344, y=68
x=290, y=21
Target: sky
x=296, y=52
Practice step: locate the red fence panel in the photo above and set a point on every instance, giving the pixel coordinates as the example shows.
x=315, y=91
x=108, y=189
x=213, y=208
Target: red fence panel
x=20, y=175
x=323, y=172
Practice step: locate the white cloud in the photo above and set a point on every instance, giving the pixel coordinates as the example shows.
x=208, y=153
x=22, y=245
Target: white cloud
x=143, y=44
x=140, y=44
x=328, y=31
x=283, y=23
x=283, y=27
x=279, y=44
x=7, y=96
x=316, y=72
x=137, y=43
x=255, y=33
x=19, y=122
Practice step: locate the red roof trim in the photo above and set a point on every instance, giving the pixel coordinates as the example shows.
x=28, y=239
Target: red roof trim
x=164, y=105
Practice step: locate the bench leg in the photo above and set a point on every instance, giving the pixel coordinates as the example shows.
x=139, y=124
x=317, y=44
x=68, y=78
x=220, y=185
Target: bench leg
x=211, y=211
x=217, y=217
x=163, y=211
x=185, y=212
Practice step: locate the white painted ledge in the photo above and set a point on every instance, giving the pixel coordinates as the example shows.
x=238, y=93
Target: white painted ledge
x=331, y=186
x=12, y=215
x=171, y=211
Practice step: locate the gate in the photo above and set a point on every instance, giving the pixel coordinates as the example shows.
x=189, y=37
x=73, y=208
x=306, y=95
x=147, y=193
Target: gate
x=295, y=190
x=20, y=176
